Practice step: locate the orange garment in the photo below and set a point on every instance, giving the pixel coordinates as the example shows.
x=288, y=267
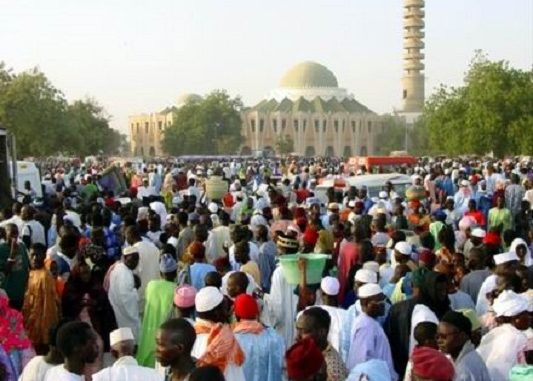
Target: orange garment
x=60, y=286
x=344, y=214
x=41, y=306
x=444, y=255
x=222, y=347
x=248, y=326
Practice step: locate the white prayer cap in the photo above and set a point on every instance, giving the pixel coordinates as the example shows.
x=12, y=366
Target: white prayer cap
x=403, y=248
x=330, y=286
x=368, y=290
x=478, y=233
x=208, y=298
x=173, y=241
x=500, y=259
x=465, y=183
x=366, y=276
x=120, y=335
x=510, y=304
x=129, y=250
x=351, y=204
x=212, y=207
x=383, y=194
x=372, y=266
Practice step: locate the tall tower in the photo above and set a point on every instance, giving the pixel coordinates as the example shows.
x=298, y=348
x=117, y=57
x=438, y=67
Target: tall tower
x=413, y=58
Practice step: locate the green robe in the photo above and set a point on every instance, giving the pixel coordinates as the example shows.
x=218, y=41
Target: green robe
x=15, y=281
x=500, y=217
x=159, y=302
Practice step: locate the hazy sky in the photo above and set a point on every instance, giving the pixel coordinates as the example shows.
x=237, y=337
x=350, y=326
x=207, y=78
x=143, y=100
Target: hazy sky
x=139, y=56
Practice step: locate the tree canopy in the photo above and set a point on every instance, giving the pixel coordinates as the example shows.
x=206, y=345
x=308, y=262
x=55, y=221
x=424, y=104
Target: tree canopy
x=491, y=112
x=284, y=144
x=211, y=125
x=44, y=123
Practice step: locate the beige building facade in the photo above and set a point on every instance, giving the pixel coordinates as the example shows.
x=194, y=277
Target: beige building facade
x=146, y=130
x=320, y=117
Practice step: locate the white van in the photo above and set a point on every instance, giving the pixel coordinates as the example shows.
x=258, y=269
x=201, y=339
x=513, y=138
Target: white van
x=373, y=182
x=27, y=171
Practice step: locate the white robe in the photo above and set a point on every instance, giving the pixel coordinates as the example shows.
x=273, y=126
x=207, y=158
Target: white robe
x=280, y=307
x=124, y=298
x=338, y=318
x=35, y=370
x=233, y=372
x=482, y=303
x=59, y=373
x=148, y=268
x=501, y=348
x=127, y=369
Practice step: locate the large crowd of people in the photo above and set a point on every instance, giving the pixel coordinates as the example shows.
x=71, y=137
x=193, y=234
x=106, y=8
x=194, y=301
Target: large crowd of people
x=172, y=280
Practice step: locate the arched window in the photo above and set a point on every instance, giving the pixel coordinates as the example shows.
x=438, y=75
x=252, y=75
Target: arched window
x=252, y=123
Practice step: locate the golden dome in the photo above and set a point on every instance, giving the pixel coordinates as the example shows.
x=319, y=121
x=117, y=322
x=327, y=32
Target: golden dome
x=308, y=75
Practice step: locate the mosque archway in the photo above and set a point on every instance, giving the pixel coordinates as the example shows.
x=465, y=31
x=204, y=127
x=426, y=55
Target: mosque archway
x=246, y=151
x=347, y=151
x=142, y=151
x=152, y=151
x=330, y=151
x=310, y=151
x=364, y=151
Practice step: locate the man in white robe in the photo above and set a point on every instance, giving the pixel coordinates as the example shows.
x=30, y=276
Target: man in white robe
x=369, y=340
x=125, y=367
x=122, y=293
x=215, y=342
x=281, y=303
x=148, y=268
x=504, y=346
x=329, y=288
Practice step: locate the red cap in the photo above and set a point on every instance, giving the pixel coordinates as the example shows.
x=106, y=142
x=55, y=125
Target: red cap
x=304, y=359
x=432, y=364
x=310, y=236
x=245, y=307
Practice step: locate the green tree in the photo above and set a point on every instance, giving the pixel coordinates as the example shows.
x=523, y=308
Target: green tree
x=90, y=129
x=34, y=111
x=393, y=136
x=418, y=138
x=211, y=125
x=284, y=144
x=491, y=112
x=43, y=123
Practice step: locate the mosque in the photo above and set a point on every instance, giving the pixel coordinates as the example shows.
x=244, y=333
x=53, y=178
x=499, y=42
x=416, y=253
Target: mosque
x=320, y=117
x=309, y=107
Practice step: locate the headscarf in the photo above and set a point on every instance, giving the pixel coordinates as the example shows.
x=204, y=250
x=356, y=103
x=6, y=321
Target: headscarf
x=528, y=261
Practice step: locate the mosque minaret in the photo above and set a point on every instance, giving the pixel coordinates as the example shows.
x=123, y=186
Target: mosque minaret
x=413, y=57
